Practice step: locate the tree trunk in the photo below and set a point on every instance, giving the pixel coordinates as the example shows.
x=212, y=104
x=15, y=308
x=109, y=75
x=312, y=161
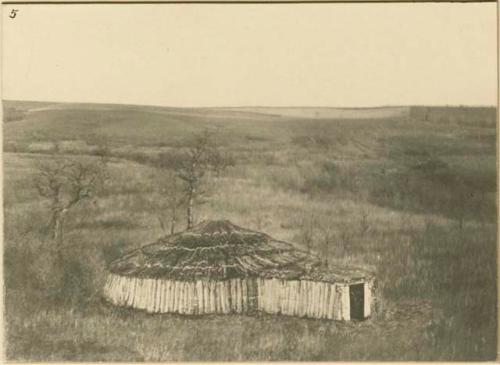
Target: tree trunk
x=57, y=224
x=174, y=218
x=190, y=207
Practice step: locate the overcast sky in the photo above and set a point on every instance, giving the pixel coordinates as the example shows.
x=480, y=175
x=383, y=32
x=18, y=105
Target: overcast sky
x=244, y=55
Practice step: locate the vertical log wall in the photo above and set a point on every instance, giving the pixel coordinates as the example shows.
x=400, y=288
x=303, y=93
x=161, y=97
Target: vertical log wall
x=301, y=298
x=304, y=298
x=185, y=297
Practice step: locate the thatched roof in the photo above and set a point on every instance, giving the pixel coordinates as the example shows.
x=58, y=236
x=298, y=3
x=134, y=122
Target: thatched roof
x=221, y=250
x=215, y=250
x=338, y=274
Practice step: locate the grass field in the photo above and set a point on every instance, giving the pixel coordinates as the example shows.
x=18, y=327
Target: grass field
x=409, y=194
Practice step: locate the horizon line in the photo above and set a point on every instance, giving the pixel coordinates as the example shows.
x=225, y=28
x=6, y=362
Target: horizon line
x=379, y=106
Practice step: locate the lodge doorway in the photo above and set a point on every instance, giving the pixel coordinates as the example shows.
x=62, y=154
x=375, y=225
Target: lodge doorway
x=357, y=301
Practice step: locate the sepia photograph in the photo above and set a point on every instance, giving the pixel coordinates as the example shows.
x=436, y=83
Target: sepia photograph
x=249, y=182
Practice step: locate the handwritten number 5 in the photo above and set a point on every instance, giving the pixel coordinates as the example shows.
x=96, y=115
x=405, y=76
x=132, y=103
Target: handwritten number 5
x=13, y=13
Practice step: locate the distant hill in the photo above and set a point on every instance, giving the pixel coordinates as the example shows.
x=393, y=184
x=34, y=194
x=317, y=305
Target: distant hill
x=330, y=113
x=27, y=123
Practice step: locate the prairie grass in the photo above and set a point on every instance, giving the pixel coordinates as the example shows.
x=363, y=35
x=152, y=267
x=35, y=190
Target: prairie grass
x=412, y=200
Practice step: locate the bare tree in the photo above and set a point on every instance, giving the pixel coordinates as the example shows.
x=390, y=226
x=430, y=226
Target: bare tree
x=203, y=156
x=66, y=183
x=171, y=201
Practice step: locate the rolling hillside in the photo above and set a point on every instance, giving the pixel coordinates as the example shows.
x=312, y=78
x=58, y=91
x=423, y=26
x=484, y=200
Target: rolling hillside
x=407, y=192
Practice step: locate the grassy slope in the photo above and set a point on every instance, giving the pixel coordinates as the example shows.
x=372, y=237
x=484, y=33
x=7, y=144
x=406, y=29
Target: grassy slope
x=390, y=191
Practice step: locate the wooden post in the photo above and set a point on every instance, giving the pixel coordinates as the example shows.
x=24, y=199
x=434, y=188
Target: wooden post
x=206, y=297
x=368, y=298
x=296, y=298
x=199, y=295
x=227, y=295
x=244, y=295
x=259, y=294
x=277, y=296
x=252, y=293
x=212, y=296
x=222, y=295
x=155, y=297
x=306, y=298
x=220, y=300
x=338, y=302
x=128, y=287
x=331, y=294
x=232, y=284
x=262, y=292
x=113, y=288
x=171, y=295
x=273, y=295
x=166, y=296
x=124, y=293
x=137, y=292
x=267, y=290
x=324, y=301
x=119, y=291
x=184, y=294
x=184, y=297
x=167, y=307
x=161, y=294
x=137, y=295
x=218, y=308
x=120, y=297
x=238, y=296
x=318, y=300
x=310, y=299
x=107, y=287
x=291, y=297
x=193, y=299
x=150, y=296
x=189, y=299
x=180, y=300
x=346, y=315
x=314, y=299
x=284, y=297
x=110, y=290
x=314, y=308
x=176, y=296
x=300, y=299
x=144, y=293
